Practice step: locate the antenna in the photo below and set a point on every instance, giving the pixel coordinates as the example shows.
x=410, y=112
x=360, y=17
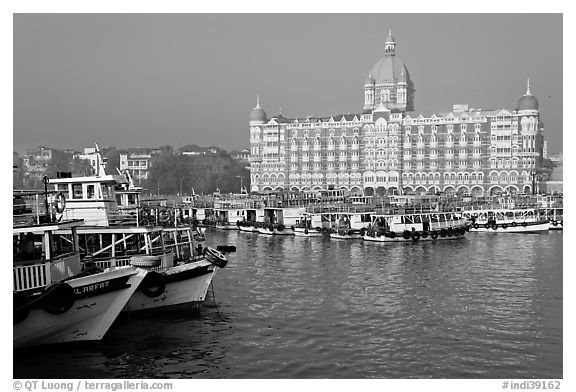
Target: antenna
x=100, y=166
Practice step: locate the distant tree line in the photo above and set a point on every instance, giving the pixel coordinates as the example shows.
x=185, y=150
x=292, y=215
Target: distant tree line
x=171, y=172
x=203, y=174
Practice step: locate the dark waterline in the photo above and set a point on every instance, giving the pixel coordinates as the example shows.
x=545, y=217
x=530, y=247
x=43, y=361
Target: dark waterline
x=487, y=306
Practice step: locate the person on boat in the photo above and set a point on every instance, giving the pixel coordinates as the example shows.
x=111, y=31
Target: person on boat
x=425, y=223
x=26, y=247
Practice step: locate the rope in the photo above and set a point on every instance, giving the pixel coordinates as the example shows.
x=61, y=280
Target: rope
x=214, y=297
x=215, y=305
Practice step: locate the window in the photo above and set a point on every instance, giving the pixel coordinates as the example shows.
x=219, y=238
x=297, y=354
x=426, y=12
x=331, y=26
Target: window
x=90, y=192
x=106, y=191
x=77, y=191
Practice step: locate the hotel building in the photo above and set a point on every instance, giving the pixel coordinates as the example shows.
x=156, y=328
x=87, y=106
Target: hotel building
x=388, y=148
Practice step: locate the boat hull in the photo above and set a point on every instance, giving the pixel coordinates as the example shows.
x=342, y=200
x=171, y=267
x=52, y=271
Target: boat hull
x=400, y=238
x=186, y=287
x=263, y=230
x=531, y=227
x=248, y=229
x=91, y=315
x=303, y=232
x=339, y=236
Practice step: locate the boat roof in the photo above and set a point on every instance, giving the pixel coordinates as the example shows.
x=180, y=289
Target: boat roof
x=25, y=192
x=53, y=226
x=418, y=213
x=501, y=210
x=108, y=178
x=116, y=229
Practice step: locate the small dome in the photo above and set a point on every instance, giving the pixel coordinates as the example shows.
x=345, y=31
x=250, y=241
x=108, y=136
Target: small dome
x=528, y=101
x=257, y=114
x=390, y=69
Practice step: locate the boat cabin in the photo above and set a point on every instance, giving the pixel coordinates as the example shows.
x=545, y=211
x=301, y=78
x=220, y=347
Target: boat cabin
x=39, y=259
x=114, y=246
x=417, y=222
x=92, y=198
x=499, y=216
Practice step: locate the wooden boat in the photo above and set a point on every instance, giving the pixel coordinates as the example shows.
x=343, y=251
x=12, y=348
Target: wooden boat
x=521, y=220
x=430, y=226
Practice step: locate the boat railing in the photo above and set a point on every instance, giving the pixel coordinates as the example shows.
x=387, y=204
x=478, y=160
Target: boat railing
x=339, y=208
x=30, y=275
x=166, y=261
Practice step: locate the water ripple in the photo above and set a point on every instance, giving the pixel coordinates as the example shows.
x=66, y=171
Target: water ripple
x=488, y=306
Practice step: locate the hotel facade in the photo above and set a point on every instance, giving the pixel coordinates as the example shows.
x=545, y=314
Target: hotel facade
x=388, y=148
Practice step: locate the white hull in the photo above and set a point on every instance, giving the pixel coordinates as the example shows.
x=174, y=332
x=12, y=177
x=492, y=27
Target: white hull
x=248, y=229
x=301, y=232
x=89, y=318
x=519, y=228
x=354, y=236
x=286, y=231
x=186, y=286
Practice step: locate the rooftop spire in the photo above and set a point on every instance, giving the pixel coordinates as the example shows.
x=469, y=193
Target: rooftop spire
x=389, y=44
x=257, y=101
x=528, y=88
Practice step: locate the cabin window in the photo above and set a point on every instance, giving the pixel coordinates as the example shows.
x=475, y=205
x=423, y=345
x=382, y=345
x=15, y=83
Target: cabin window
x=77, y=191
x=106, y=192
x=442, y=218
x=90, y=192
x=417, y=219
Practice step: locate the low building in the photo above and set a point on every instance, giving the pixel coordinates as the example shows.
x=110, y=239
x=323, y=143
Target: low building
x=138, y=163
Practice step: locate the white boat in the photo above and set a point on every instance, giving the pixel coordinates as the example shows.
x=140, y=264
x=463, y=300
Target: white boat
x=303, y=231
x=274, y=229
x=524, y=220
x=429, y=226
x=342, y=222
x=279, y=220
x=307, y=227
x=349, y=224
x=56, y=299
x=248, y=226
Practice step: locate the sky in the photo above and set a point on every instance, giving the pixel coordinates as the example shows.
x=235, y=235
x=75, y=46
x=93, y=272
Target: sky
x=145, y=80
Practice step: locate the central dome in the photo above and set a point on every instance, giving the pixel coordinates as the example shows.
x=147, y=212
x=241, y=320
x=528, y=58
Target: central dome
x=390, y=69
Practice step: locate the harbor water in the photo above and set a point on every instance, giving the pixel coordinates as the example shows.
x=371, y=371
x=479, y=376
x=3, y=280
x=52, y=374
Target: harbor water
x=486, y=306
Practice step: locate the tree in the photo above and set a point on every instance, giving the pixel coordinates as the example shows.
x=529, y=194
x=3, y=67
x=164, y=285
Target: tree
x=81, y=167
x=203, y=173
x=61, y=162
x=113, y=160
